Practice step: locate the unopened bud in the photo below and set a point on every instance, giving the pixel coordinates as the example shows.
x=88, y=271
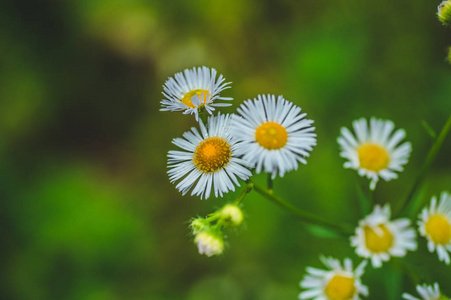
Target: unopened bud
x=198, y=225
x=209, y=243
x=444, y=12
x=231, y=215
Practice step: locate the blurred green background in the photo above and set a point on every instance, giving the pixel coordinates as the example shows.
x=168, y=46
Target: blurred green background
x=87, y=210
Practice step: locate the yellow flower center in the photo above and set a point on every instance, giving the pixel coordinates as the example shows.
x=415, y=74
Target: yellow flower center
x=378, y=240
x=271, y=135
x=212, y=154
x=373, y=157
x=438, y=229
x=203, y=95
x=340, y=288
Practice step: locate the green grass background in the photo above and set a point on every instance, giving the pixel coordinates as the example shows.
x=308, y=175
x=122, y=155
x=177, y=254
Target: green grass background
x=86, y=207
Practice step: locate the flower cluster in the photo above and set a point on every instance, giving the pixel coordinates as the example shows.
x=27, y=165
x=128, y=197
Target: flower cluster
x=207, y=232
x=269, y=134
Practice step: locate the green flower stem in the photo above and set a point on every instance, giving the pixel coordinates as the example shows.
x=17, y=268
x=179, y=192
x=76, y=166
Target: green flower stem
x=365, y=202
x=303, y=215
x=425, y=168
x=247, y=189
x=213, y=217
x=270, y=184
x=407, y=269
x=203, y=115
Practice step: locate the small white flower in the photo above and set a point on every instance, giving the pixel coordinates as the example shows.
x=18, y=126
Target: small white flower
x=337, y=283
x=194, y=89
x=375, y=152
x=273, y=135
x=435, y=225
x=379, y=238
x=208, y=159
x=426, y=292
x=209, y=243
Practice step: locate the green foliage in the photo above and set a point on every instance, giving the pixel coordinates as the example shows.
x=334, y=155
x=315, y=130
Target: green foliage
x=87, y=210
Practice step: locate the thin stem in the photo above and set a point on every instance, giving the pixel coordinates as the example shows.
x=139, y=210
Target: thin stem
x=371, y=197
x=247, y=189
x=303, y=215
x=270, y=184
x=426, y=166
x=365, y=202
x=213, y=217
x=203, y=115
x=407, y=269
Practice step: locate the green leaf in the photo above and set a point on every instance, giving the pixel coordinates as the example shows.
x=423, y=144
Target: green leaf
x=393, y=278
x=364, y=200
x=322, y=232
x=429, y=129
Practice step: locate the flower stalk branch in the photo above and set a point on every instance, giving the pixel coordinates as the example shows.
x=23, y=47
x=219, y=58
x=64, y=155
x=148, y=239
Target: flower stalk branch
x=246, y=190
x=425, y=168
x=303, y=215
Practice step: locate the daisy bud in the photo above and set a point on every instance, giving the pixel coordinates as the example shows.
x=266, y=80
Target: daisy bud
x=198, y=225
x=444, y=12
x=209, y=243
x=231, y=215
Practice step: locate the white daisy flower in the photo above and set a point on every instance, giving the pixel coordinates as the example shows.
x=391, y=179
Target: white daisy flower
x=426, y=292
x=274, y=135
x=337, y=283
x=375, y=151
x=194, y=89
x=435, y=225
x=379, y=238
x=208, y=158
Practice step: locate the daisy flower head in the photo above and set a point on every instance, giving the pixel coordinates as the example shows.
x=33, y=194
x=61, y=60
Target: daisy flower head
x=378, y=238
x=435, y=226
x=374, y=151
x=194, y=89
x=274, y=135
x=339, y=282
x=426, y=292
x=208, y=160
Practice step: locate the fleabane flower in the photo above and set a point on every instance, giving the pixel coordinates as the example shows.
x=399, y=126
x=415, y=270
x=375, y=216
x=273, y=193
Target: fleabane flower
x=378, y=238
x=337, y=283
x=374, y=152
x=435, y=225
x=208, y=160
x=274, y=135
x=444, y=12
x=209, y=243
x=426, y=292
x=193, y=90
